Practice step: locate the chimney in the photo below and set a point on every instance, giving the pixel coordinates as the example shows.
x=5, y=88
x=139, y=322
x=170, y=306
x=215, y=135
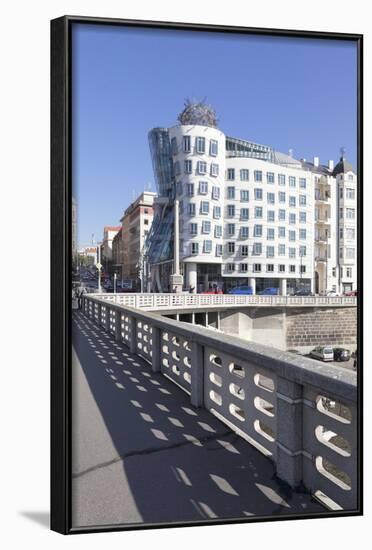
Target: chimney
x=331, y=164
x=316, y=161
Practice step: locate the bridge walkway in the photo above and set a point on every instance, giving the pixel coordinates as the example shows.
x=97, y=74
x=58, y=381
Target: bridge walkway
x=142, y=453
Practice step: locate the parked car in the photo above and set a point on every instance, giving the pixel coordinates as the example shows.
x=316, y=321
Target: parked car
x=244, y=289
x=212, y=291
x=332, y=293
x=302, y=292
x=323, y=353
x=351, y=293
x=271, y=291
x=341, y=354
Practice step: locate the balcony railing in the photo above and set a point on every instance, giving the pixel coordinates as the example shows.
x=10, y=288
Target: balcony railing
x=183, y=301
x=300, y=413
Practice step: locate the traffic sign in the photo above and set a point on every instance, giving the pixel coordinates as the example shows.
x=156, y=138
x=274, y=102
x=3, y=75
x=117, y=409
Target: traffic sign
x=99, y=266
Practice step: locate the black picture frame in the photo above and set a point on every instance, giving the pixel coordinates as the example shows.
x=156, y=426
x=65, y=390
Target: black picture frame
x=61, y=260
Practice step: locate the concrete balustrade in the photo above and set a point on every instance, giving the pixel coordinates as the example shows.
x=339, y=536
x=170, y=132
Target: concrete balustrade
x=300, y=413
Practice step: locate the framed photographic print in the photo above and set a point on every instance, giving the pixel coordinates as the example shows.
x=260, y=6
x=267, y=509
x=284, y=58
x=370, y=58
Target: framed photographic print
x=206, y=274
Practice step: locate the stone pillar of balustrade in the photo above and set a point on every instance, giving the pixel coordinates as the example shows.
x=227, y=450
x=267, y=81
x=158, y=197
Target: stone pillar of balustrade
x=156, y=349
x=197, y=375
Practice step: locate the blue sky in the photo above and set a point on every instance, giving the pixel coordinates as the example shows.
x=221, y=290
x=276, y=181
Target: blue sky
x=287, y=93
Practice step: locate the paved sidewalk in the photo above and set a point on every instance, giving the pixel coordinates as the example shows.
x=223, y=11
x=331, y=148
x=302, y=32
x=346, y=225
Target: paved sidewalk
x=142, y=453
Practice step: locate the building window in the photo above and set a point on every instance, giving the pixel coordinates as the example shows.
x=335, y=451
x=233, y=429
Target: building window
x=281, y=250
x=302, y=268
x=341, y=233
x=231, y=192
x=271, y=198
x=350, y=233
x=194, y=248
x=174, y=147
x=213, y=148
x=188, y=166
x=203, y=187
x=302, y=234
x=281, y=214
x=177, y=168
x=258, y=194
x=291, y=252
x=186, y=144
x=292, y=218
x=193, y=228
x=281, y=179
x=218, y=231
x=216, y=212
x=202, y=167
x=206, y=226
x=341, y=193
x=231, y=229
x=243, y=268
x=207, y=246
x=244, y=214
x=258, y=230
x=341, y=213
x=230, y=267
x=302, y=251
x=257, y=268
x=281, y=196
x=244, y=232
x=204, y=207
x=244, y=195
x=271, y=215
x=292, y=235
x=215, y=193
x=200, y=145
x=146, y=222
x=350, y=213
x=350, y=253
x=302, y=217
x=281, y=231
x=218, y=249
x=244, y=175
x=179, y=188
x=270, y=268
x=350, y=193
x=191, y=209
x=302, y=183
x=269, y=252
x=214, y=169
x=270, y=178
x=190, y=189
x=302, y=200
x=292, y=201
x=231, y=174
x=244, y=250
x=341, y=253
x=258, y=212
x=281, y=268
x=292, y=269
x=257, y=249
x=270, y=234
x=257, y=175
x=231, y=210
x=350, y=177
x=292, y=181
x=349, y=272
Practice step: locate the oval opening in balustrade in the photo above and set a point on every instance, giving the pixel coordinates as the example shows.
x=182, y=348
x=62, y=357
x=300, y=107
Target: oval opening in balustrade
x=175, y=355
x=264, y=382
x=215, y=397
x=215, y=379
x=176, y=370
x=335, y=409
x=187, y=362
x=237, y=391
x=334, y=474
x=215, y=360
x=237, y=370
x=176, y=341
x=264, y=430
x=186, y=346
x=187, y=377
x=332, y=440
x=165, y=349
x=165, y=362
x=264, y=406
x=237, y=412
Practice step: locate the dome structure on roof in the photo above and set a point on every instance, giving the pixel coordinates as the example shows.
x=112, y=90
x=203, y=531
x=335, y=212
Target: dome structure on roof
x=198, y=113
x=342, y=167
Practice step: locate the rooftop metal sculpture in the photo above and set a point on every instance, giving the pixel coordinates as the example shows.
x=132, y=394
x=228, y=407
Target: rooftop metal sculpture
x=198, y=113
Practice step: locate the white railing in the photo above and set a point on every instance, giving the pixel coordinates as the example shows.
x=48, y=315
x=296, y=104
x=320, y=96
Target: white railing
x=299, y=412
x=173, y=301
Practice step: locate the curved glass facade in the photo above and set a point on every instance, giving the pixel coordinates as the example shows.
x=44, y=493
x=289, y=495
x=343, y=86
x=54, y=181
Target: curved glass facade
x=161, y=157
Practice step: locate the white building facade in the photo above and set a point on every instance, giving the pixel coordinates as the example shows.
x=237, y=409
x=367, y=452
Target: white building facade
x=252, y=216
